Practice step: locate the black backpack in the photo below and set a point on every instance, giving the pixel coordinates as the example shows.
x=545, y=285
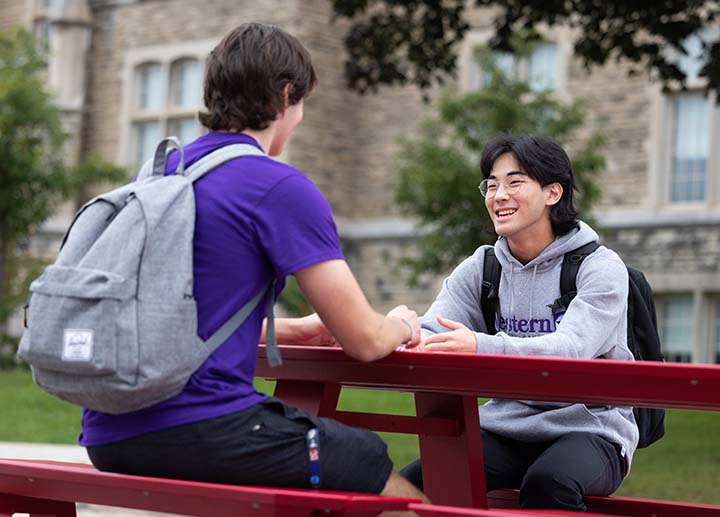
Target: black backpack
x=642, y=336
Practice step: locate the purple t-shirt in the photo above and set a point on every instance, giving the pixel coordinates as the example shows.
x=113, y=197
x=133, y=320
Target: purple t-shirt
x=255, y=218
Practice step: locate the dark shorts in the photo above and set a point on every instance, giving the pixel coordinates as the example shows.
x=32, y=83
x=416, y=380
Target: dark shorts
x=264, y=445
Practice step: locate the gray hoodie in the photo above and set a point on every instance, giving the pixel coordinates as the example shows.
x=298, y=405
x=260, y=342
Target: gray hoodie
x=594, y=325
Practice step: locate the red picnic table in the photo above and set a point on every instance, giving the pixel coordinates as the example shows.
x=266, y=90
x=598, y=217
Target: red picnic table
x=446, y=388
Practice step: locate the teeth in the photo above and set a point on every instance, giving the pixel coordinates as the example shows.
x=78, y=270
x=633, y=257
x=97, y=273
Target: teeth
x=502, y=213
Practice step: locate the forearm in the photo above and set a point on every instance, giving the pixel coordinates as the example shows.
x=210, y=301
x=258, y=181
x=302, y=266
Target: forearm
x=308, y=330
x=362, y=332
x=391, y=332
x=371, y=336
x=287, y=330
x=458, y=299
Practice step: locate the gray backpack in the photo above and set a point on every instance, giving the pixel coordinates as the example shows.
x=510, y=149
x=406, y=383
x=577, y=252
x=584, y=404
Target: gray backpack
x=112, y=324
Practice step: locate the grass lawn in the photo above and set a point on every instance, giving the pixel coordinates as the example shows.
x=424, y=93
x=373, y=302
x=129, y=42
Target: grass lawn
x=684, y=465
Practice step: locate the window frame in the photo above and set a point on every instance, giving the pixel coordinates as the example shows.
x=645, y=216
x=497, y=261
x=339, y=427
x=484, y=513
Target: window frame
x=714, y=336
x=663, y=177
x=166, y=56
x=660, y=305
x=470, y=76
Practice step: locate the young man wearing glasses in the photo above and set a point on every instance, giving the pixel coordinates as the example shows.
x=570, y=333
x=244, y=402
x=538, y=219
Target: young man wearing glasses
x=555, y=453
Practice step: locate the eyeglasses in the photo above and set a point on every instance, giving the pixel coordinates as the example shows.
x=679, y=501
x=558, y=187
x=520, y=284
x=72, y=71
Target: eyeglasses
x=489, y=187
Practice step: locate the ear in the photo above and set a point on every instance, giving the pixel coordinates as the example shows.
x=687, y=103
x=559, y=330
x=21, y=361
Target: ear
x=286, y=96
x=553, y=193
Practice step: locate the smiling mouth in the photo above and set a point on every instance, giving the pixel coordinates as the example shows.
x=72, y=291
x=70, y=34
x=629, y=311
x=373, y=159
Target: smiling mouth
x=505, y=212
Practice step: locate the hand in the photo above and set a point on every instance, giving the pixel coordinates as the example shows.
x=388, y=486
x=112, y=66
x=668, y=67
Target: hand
x=461, y=340
x=311, y=331
x=424, y=334
x=404, y=313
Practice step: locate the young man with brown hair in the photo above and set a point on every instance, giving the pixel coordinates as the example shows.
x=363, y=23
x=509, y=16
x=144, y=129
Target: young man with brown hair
x=259, y=219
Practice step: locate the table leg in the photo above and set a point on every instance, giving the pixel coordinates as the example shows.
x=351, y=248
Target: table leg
x=453, y=472
x=11, y=504
x=315, y=398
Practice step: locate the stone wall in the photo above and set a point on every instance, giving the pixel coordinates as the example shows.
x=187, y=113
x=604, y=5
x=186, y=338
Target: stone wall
x=618, y=105
x=346, y=143
x=675, y=258
x=14, y=13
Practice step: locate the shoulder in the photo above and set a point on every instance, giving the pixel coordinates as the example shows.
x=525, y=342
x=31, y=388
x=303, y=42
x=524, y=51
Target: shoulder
x=603, y=266
x=472, y=266
x=288, y=184
x=270, y=180
x=279, y=172
x=605, y=257
x=273, y=171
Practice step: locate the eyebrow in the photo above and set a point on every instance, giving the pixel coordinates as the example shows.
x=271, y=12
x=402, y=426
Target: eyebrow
x=511, y=173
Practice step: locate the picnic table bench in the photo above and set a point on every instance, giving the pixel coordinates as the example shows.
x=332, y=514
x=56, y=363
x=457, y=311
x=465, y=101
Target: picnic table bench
x=446, y=388
x=53, y=488
x=43, y=488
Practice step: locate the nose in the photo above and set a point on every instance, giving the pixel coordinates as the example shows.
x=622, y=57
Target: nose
x=501, y=192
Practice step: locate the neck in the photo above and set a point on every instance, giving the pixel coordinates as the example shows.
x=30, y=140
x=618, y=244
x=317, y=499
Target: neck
x=263, y=137
x=528, y=249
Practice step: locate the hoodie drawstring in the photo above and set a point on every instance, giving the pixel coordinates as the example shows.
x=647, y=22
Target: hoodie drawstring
x=532, y=291
x=511, y=288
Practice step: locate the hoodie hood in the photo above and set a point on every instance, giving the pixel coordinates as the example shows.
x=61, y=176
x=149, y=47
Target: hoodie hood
x=522, y=293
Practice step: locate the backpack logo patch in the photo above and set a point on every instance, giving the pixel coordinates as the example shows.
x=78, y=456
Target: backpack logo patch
x=77, y=345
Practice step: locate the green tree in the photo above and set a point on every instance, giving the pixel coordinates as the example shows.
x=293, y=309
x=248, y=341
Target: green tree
x=33, y=177
x=415, y=41
x=439, y=169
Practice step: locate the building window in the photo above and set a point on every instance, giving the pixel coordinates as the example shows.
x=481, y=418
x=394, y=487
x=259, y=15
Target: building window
x=688, y=160
x=149, y=87
x=42, y=27
x=167, y=98
x=42, y=33
x=540, y=68
x=186, y=82
x=677, y=328
x=696, y=53
x=163, y=95
x=691, y=147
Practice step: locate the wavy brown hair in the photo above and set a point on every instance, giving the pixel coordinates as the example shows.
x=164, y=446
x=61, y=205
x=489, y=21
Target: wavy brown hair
x=246, y=74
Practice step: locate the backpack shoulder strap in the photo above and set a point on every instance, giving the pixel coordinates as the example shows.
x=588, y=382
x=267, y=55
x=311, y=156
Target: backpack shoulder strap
x=489, y=299
x=568, y=274
x=571, y=266
x=196, y=171
x=216, y=158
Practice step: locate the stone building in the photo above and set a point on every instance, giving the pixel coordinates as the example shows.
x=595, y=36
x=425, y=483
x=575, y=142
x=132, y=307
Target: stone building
x=126, y=72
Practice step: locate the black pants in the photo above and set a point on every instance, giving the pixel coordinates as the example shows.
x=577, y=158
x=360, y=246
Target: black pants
x=550, y=474
x=265, y=445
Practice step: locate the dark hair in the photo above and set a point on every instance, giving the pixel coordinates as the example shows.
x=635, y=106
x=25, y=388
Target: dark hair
x=245, y=76
x=545, y=161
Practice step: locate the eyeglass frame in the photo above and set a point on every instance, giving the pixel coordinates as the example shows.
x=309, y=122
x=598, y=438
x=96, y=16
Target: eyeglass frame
x=510, y=190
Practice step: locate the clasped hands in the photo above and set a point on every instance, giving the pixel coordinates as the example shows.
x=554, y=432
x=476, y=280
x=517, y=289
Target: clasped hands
x=459, y=338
